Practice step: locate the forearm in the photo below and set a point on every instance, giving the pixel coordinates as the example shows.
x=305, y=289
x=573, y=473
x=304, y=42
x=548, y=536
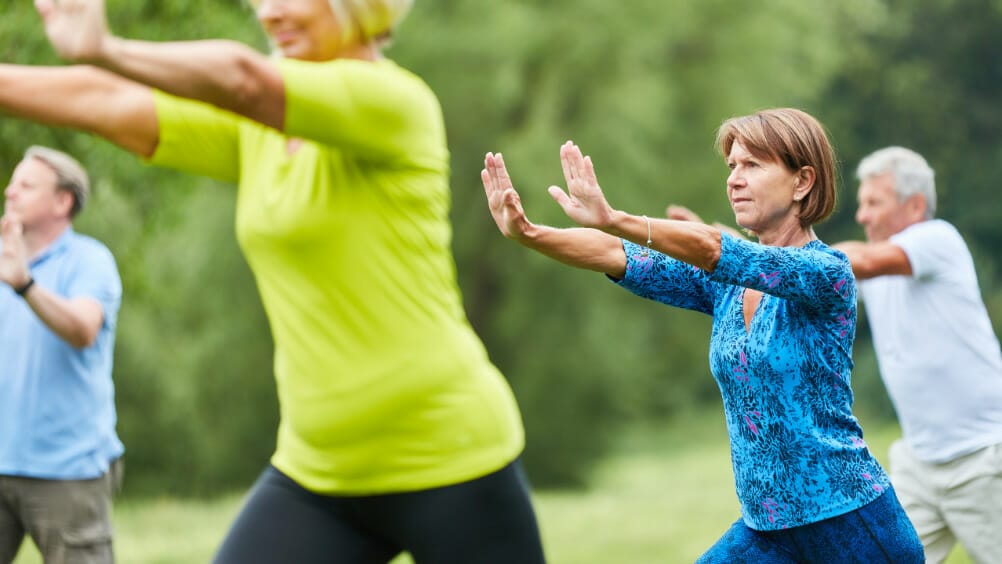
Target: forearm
x=854, y=250
x=584, y=248
x=694, y=243
x=870, y=260
x=84, y=98
x=226, y=74
x=76, y=321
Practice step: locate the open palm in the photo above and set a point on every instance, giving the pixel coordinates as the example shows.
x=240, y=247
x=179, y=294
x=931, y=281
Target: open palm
x=584, y=201
x=76, y=28
x=502, y=199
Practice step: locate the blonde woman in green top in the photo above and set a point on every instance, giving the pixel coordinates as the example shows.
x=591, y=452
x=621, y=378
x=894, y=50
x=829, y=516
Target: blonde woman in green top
x=397, y=432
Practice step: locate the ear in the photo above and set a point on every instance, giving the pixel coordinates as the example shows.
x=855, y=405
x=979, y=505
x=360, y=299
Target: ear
x=64, y=203
x=915, y=207
x=804, y=182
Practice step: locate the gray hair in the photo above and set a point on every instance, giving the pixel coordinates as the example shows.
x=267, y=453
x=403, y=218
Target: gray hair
x=909, y=170
x=70, y=175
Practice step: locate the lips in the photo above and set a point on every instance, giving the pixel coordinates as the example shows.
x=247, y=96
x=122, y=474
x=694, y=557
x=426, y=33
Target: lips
x=284, y=37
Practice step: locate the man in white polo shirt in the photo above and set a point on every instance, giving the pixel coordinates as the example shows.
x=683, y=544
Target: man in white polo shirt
x=938, y=355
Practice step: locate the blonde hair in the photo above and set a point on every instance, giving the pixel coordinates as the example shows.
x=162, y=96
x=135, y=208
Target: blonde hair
x=370, y=20
x=795, y=139
x=70, y=175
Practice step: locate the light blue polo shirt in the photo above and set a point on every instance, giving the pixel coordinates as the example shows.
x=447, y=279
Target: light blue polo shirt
x=57, y=408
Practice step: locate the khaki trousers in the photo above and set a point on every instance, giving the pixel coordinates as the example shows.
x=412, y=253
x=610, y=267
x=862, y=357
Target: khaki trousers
x=69, y=520
x=959, y=500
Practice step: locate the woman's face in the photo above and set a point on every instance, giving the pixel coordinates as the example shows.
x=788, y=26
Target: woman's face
x=761, y=191
x=301, y=29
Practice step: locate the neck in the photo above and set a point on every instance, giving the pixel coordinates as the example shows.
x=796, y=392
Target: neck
x=364, y=52
x=791, y=236
x=38, y=238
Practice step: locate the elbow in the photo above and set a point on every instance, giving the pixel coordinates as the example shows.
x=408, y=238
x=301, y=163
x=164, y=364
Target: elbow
x=82, y=339
x=711, y=251
x=258, y=92
x=83, y=334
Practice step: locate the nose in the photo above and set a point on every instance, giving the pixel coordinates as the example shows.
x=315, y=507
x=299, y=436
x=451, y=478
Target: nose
x=734, y=179
x=862, y=216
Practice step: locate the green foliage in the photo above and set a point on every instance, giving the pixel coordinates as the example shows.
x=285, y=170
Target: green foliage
x=908, y=83
x=641, y=86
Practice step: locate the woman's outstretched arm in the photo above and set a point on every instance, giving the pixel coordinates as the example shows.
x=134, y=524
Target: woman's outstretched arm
x=84, y=98
x=226, y=74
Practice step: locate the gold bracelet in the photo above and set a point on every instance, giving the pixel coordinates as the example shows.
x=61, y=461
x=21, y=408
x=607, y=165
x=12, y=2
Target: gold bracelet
x=648, y=245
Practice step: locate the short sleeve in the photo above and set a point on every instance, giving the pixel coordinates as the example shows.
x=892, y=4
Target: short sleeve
x=931, y=246
x=95, y=275
x=377, y=110
x=197, y=138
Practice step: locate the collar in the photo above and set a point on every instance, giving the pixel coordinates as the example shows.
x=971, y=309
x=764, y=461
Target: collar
x=56, y=247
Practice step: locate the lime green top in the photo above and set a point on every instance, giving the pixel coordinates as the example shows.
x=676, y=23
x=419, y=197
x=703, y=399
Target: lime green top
x=382, y=383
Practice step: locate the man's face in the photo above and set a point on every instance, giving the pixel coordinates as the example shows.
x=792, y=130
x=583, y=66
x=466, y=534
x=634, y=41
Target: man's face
x=880, y=212
x=33, y=196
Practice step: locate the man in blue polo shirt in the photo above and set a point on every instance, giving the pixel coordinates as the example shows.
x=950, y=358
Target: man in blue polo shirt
x=59, y=297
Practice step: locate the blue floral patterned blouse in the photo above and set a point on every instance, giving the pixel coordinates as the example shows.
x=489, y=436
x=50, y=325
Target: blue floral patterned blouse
x=797, y=450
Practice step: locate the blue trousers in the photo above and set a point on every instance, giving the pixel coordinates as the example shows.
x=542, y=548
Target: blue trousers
x=875, y=533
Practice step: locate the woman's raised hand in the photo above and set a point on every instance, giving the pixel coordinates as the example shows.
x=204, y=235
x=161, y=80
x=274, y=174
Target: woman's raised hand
x=77, y=29
x=503, y=200
x=584, y=201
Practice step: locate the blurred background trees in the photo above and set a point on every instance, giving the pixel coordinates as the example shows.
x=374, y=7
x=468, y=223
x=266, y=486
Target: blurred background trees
x=641, y=86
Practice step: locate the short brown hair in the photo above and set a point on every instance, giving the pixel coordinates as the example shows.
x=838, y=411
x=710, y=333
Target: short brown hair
x=795, y=139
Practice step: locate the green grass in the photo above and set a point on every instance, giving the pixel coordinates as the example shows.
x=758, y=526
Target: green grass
x=664, y=497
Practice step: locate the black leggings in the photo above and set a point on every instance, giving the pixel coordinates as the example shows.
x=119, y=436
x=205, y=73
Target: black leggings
x=487, y=520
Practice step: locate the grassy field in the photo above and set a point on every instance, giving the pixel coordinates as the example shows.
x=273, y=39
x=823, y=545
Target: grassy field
x=664, y=497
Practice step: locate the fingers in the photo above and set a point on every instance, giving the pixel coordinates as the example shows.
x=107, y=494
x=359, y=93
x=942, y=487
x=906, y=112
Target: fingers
x=572, y=162
x=565, y=163
x=513, y=202
x=578, y=169
x=504, y=181
x=561, y=197
x=495, y=175
x=487, y=174
x=681, y=213
x=588, y=171
x=485, y=177
x=44, y=8
x=10, y=227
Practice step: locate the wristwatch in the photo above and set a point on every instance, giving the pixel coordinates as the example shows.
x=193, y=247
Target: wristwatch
x=24, y=289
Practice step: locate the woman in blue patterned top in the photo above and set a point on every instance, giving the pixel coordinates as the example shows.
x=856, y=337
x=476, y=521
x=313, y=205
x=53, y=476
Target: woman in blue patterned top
x=784, y=317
